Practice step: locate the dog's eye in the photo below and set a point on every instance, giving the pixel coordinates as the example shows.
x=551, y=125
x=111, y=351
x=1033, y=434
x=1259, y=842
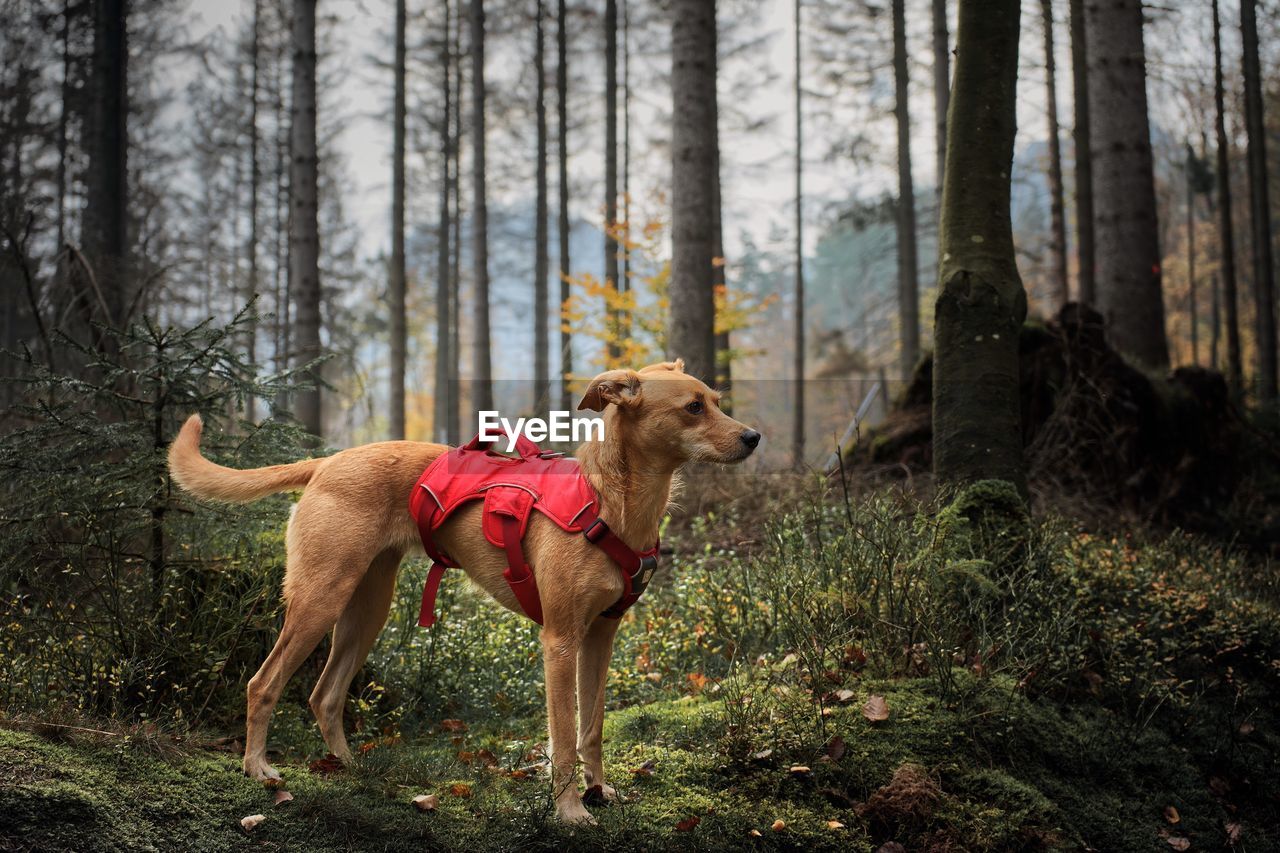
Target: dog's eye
x=694, y=408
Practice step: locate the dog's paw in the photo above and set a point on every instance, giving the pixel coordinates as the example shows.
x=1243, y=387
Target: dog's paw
x=261, y=771
x=573, y=812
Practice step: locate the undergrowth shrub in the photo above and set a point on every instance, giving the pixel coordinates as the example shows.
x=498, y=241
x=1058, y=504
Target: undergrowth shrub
x=118, y=597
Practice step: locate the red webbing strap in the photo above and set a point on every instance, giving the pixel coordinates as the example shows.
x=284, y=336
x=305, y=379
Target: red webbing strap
x=427, y=615
x=519, y=578
x=637, y=569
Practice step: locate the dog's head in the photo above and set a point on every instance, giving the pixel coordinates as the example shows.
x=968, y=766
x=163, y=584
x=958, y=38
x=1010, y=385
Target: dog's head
x=663, y=410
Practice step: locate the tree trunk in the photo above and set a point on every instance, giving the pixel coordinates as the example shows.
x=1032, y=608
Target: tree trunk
x=106, y=212
x=691, y=334
x=625, y=282
x=908, y=263
x=304, y=231
x=798, y=422
x=941, y=88
x=1086, y=260
x=541, y=261
x=482, y=367
x=977, y=423
x=611, y=165
x=1226, y=231
x=1128, y=249
x=396, y=286
x=719, y=273
x=1057, y=218
x=1259, y=205
x=1191, y=255
x=255, y=181
x=562, y=188
x=454, y=422
x=444, y=303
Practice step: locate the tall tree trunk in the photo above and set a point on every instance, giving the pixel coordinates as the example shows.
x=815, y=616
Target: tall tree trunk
x=396, y=285
x=908, y=262
x=64, y=109
x=1226, y=231
x=541, y=261
x=625, y=282
x=719, y=272
x=1259, y=205
x=1191, y=255
x=562, y=188
x=1086, y=259
x=797, y=370
x=255, y=182
x=1057, y=217
x=691, y=334
x=444, y=303
x=611, y=165
x=106, y=212
x=977, y=421
x=1128, y=249
x=941, y=89
x=454, y=421
x=482, y=366
x=304, y=229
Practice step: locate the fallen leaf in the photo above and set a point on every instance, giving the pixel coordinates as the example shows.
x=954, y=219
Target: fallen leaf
x=876, y=709
x=324, y=766
x=1171, y=814
x=800, y=771
x=834, y=824
x=1233, y=833
x=452, y=726
x=466, y=757
x=645, y=769
x=518, y=774
x=1177, y=842
x=1246, y=728
x=697, y=681
x=281, y=796
x=366, y=748
x=844, y=695
x=251, y=822
x=460, y=789
x=755, y=833
x=779, y=825
x=835, y=748
x=594, y=796
x=1218, y=786
x=762, y=755
x=688, y=824
x=891, y=847
x=426, y=802
x=487, y=758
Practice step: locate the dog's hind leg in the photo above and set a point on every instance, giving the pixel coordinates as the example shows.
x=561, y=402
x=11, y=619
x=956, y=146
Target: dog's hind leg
x=313, y=608
x=593, y=669
x=357, y=629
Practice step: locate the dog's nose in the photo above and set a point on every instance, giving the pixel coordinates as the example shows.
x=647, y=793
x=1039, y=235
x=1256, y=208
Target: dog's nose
x=750, y=438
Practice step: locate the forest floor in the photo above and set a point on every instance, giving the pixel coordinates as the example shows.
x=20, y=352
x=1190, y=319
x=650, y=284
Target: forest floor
x=1126, y=697
x=1044, y=777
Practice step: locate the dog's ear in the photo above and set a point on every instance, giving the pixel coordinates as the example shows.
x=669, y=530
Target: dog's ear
x=620, y=387
x=676, y=366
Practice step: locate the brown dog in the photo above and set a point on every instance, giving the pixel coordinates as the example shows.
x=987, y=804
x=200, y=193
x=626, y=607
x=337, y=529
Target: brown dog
x=351, y=528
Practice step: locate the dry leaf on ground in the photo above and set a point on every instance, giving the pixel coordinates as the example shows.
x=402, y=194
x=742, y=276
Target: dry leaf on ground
x=876, y=709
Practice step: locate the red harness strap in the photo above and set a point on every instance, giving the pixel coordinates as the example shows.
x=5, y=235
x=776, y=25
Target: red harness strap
x=511, y=489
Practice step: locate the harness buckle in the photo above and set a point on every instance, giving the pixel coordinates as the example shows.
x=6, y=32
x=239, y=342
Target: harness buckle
x=597, y=531
x=648, y=565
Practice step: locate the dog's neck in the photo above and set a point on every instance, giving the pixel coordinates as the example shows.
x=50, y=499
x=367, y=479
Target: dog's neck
x=634, y=489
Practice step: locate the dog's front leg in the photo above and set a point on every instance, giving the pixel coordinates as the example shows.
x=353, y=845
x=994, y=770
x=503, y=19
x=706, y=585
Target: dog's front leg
x=560, y=660
x=593, y=670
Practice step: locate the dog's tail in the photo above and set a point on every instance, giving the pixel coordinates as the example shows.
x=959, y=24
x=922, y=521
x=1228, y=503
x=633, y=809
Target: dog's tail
x=210, y=481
